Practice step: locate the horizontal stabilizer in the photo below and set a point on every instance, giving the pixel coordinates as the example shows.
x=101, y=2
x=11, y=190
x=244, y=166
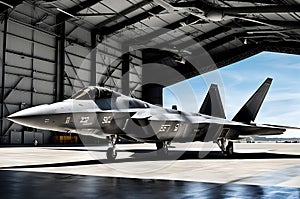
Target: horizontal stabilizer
x=249, y=111
x=284, y=127
x=212, y=104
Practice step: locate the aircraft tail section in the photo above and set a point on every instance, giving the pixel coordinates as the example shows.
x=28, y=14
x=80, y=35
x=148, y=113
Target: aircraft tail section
x=249, y=111
x=212, y=104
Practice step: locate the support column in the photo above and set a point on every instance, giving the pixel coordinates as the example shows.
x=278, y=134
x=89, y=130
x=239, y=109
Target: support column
x=152, y=93
x=93, y=59
x=125, y=69
x=3, y=75
x=60, y=58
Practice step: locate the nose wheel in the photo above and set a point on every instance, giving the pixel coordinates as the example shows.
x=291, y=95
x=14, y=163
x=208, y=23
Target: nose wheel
x=111, y=152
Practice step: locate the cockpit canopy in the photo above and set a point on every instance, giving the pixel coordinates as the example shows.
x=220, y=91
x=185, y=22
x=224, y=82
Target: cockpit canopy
x=92, y=93
x=107, y=99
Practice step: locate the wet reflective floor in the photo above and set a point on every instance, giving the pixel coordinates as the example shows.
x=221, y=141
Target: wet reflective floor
x=20, y=184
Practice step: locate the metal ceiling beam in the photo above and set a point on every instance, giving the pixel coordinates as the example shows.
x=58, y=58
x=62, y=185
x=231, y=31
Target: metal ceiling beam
x=207, y=35
x=83, y=5
x=108, y=30
x=283, y=47
x=254, y=1
x=93, y=14
x=4, y=7
x=236, y=54
x=75, y=9
x=204, y=36
x=167, y=28
x=283, y=24
x=208, y=47
x=240, y=10
x=261, y=9
x=123, y=13
x=202, y=5
x=231, y=25
x=240, y=35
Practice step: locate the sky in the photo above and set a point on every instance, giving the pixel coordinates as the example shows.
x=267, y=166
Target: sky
x=238, y=81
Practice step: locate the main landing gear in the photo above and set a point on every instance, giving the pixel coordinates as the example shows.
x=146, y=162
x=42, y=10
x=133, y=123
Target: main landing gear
x=226, y=146
x=111, y=152
x=162, y=149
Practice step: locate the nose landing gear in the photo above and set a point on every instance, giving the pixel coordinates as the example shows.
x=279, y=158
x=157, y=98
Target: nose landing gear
x=111, y=152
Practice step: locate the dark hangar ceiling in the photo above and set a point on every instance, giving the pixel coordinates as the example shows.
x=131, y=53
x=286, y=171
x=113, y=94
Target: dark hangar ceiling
x=229, y=30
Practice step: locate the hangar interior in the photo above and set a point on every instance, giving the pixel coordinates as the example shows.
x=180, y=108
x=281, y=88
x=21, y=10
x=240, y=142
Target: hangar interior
x=52, y=48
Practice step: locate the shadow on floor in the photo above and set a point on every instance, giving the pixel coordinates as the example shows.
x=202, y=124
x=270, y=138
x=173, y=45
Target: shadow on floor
x=150, y=155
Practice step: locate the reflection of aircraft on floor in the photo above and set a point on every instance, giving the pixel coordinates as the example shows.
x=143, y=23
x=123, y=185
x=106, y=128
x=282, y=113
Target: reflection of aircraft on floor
x=104, y=113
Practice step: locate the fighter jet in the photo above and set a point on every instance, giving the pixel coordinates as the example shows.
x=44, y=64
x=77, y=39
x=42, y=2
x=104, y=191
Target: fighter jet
x=104, y=113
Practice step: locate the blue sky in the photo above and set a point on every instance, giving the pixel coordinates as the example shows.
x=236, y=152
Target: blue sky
x=238, y=81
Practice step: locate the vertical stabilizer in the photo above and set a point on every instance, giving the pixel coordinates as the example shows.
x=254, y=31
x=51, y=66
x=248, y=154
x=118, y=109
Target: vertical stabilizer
x=249, y=111
x=212, y=104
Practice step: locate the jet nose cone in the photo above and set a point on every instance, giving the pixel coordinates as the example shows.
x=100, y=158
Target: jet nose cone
x=30, y=117
x=16, y=115
x=38, y=110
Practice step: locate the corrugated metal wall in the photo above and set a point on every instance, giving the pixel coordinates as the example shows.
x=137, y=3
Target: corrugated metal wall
x=31, y=63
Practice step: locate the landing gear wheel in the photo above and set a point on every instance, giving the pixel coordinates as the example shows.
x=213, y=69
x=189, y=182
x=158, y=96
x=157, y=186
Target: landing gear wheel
x=111, y=154
x=229, y=149
x=162, y=149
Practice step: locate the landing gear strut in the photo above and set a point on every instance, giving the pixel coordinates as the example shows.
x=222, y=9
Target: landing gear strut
x=111, y=152
x=162, y=149
x=35, y=142
x=226, y=146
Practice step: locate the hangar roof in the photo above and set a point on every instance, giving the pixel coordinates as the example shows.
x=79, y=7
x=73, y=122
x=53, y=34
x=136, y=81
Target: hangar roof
x=229, y=30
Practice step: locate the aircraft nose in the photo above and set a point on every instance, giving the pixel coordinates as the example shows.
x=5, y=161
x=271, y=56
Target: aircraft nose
x=34, y=111
x=31, y=117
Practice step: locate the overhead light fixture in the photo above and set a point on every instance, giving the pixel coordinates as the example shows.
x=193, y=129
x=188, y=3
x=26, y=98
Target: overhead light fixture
x=245, y=41
x=182, y=23
x=181, y=61
x=8, y=5
x=69, y=14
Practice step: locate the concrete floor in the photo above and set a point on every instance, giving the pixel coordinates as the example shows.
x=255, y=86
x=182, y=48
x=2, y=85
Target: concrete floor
x=264, y=164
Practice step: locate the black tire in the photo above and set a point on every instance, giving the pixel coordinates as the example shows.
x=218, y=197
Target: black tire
x=229, y=149
x=111, y=154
